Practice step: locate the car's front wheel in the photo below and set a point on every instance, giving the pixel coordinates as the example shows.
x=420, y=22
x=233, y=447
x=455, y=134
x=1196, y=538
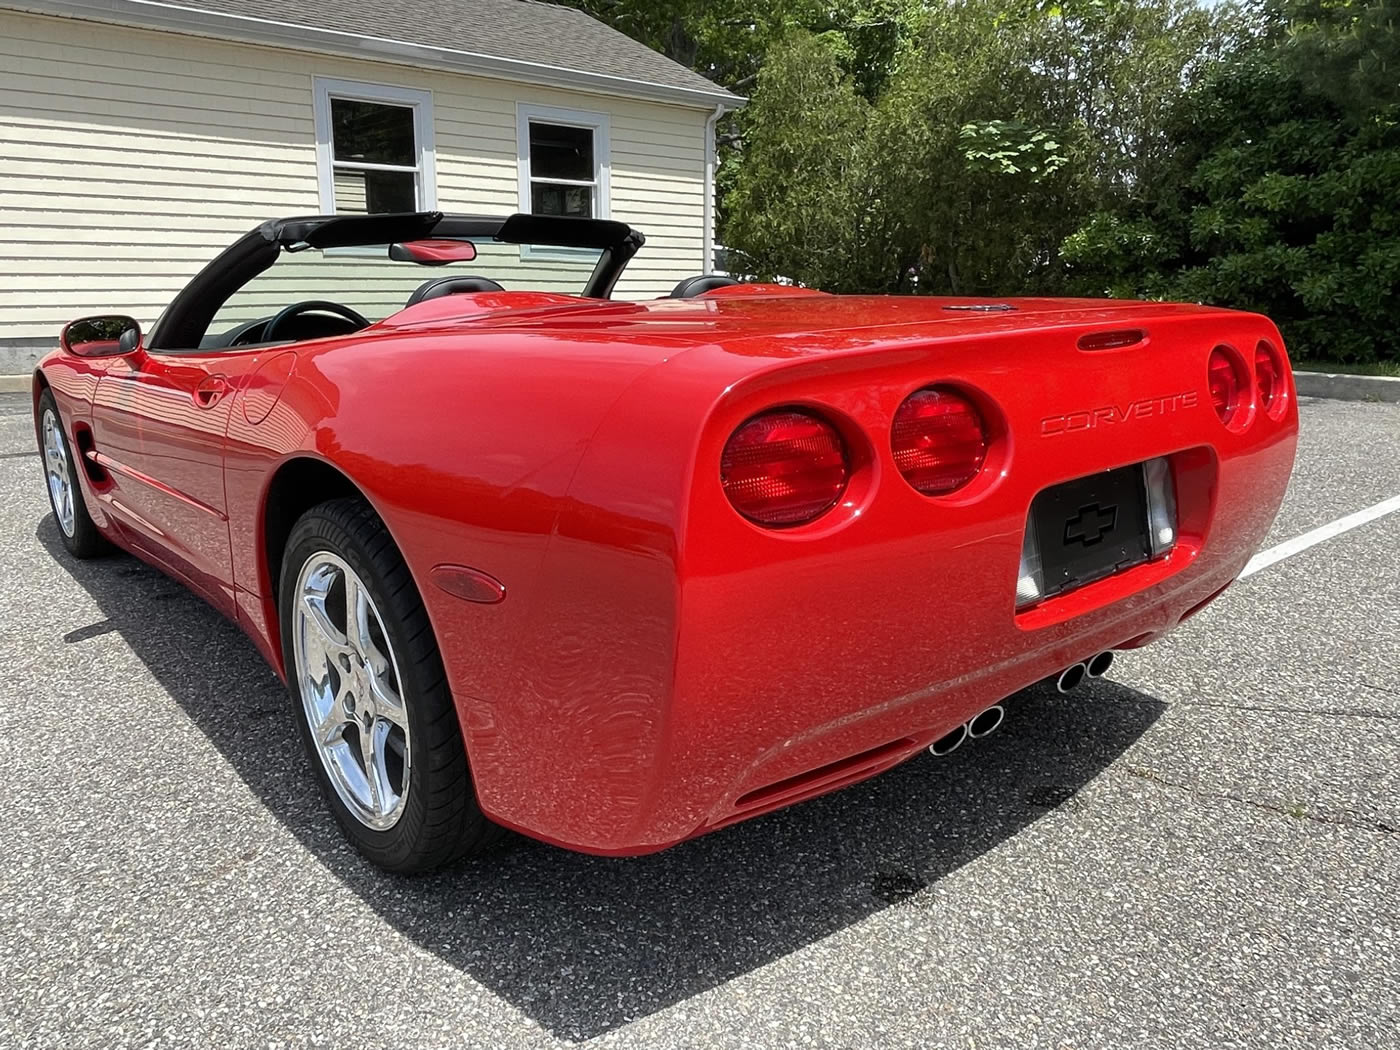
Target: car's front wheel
x=75, y=525
x=370, y=694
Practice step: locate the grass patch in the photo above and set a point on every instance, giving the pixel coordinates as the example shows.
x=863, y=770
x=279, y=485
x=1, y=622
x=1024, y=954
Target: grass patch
x=1375, y=368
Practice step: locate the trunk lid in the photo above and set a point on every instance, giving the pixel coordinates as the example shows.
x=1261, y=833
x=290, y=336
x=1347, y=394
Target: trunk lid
x=795, y=322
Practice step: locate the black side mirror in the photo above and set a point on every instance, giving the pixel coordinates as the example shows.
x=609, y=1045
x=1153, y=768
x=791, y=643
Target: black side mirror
x=111, y=335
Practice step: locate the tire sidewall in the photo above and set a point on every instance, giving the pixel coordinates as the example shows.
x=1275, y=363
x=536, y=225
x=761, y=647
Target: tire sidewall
x=316, y=533
x=86, y=539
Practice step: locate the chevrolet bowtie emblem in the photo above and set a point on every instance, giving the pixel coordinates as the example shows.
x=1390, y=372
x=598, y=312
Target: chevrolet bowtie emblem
x=1091, y=524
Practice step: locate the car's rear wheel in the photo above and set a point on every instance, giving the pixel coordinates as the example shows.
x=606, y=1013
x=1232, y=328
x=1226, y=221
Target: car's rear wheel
x=370, y=694
x=76, y=528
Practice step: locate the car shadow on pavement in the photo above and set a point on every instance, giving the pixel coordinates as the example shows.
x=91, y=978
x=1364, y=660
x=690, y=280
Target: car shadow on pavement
x=585, y=944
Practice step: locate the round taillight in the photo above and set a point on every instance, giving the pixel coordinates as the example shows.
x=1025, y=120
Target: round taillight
x=939, y=440
x=1268, y=379
x=1228, y=383
x=783, y=468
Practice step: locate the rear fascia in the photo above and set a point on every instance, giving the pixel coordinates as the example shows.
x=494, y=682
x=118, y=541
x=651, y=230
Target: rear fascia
x=721, y=669
x=893, y=617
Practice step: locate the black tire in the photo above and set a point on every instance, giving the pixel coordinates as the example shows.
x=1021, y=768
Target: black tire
x=84, y=541
x=441, y=822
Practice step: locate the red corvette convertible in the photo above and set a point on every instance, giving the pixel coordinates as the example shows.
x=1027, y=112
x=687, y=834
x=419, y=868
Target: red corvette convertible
x=615, y=574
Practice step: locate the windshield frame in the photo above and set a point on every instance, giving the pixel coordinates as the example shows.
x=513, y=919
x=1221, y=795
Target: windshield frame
x=187, y=319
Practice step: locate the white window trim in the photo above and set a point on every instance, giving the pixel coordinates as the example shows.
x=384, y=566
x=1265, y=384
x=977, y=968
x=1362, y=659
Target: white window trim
x=421, y=102
x=599, y=124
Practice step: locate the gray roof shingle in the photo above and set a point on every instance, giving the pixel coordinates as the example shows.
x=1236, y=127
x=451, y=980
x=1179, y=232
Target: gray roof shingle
x=515, y=30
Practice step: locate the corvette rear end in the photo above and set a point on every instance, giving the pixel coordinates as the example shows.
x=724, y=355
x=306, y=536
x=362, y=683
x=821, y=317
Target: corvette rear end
x=874, y=533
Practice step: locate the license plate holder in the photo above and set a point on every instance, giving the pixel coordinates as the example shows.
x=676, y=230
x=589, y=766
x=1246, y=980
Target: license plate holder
x=1091, y=527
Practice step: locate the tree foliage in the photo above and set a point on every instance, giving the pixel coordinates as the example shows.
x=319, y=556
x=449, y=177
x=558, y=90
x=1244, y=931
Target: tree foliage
x=1283, y=191
x=999, y=130
x=1246, y=155
x=726, y=40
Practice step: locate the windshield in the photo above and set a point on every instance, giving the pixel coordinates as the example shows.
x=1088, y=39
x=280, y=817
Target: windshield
x=367, y=281
x=325, y=275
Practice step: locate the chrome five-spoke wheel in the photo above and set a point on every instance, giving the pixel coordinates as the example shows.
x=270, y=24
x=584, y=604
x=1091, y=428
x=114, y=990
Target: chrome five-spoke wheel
x=56, y=472
x=373, y=704
x=349, y=683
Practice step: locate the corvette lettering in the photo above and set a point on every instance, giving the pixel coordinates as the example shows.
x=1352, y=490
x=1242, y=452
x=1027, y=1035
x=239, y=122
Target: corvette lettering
x=1109, y=415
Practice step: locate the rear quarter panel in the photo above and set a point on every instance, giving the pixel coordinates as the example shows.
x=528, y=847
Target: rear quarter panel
x=465, y=446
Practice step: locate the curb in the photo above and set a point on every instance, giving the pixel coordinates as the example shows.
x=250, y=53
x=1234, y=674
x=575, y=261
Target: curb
x=1343, y=387
x=16, y=384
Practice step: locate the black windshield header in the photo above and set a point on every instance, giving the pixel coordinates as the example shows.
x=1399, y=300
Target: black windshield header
x=344, y=231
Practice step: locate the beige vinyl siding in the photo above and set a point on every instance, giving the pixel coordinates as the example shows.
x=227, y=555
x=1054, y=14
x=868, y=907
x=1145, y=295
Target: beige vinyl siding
x=351, y=195
x=129, y=158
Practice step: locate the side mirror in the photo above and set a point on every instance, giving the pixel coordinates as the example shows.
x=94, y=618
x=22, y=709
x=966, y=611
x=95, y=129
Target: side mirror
x=111, y=335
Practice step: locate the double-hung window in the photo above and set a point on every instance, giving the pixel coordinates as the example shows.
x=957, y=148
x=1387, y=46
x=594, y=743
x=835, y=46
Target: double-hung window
x=374, y=148
x=564, y=165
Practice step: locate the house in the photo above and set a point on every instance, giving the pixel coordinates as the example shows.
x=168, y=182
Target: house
x=137, y=138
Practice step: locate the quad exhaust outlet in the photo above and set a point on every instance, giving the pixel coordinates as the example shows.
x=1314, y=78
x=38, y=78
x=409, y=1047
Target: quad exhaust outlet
x=1098, y=666
x=984, y=723
x=988, y=721
x=1072, y=677
x=949, y=742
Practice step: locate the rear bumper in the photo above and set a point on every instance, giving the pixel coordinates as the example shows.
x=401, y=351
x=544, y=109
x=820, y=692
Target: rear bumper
x=804, y=677
x=728, y=754
x=866, y=740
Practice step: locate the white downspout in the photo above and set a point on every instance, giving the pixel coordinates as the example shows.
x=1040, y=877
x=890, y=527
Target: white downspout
x=707, y=236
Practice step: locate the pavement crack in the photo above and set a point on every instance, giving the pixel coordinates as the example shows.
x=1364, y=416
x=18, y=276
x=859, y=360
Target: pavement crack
x=1377, y=688
x=1297, y=812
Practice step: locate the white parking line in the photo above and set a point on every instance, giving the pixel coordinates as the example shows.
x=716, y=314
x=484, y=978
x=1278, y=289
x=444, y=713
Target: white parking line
x=1288, y=548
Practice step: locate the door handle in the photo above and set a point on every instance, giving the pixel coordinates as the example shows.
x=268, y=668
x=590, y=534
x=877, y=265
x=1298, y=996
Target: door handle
x=210, y=391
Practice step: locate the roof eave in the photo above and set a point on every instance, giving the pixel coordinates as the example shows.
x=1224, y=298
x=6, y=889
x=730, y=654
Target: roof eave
x=151, y=14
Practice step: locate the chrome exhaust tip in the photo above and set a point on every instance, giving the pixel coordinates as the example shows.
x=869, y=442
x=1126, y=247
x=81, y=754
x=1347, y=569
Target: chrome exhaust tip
x=948, y=742
x=986, y=722
x=1071, y=678
x=1098, y=666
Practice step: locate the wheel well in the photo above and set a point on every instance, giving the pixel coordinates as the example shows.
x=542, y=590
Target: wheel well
x=298, y=485
x=41, y=384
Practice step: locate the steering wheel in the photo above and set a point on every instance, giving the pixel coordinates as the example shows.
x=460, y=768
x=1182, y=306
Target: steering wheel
x=307, y=306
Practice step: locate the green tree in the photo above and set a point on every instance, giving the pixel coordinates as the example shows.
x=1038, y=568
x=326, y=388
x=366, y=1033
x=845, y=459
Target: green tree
x=726, y=40
x=1283, y=192
x=805, y=201
x=998, y=131
x=1348, y=52
x=981, y=173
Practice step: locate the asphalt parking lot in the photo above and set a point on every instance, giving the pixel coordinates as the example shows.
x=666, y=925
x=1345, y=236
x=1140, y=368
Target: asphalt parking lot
x=1202, y=851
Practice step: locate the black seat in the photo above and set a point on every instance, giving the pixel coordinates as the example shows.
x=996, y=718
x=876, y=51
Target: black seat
x=440, y=286
x=693, y=286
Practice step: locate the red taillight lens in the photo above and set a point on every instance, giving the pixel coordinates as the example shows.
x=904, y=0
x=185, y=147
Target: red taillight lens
x=939, y=440
x=1227, y=384
x=784, y=468
x=1268, y=378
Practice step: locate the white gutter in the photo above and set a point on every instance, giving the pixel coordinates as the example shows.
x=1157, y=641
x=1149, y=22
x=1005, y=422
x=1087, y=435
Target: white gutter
x=707, y=238
x=153, y=14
